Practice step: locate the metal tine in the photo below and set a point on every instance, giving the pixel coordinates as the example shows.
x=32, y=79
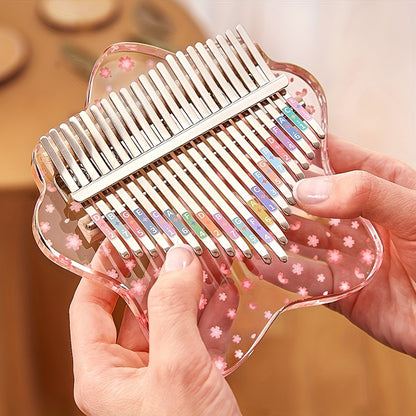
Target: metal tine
x=170, y=214
x=100, y=204
x=190, y=91
x=177, y=92
x=258, y=59
x=265, y=151
x=246, y=179
x=227, y=94
x=89, y=146
x=152, y=138
x=117, y=224
x=132, y=126
x=304, y=114
x=98, y=138
x=280, y=119
x=232, y=199
x=150, y=111
x=276, y=102
x=184, y=213
x=270, y=75
x=249, y=199
x=285, y=141
x=244, y=75
x=96, y=217
x=224, y=206
x=170, y=102
x=147, y=223
x=210, y=103
x=118, y=125
x=275, y=161
x=131, y=222
x=79, y=152
x=258, y=75
x=195, y=208
x=232, y=95
x=258, y=176
x=108, y=132
x=67, y=156
x=58, y=163
x=290, y=114
x=173, y=125
x=260, y=161
x=226, y=68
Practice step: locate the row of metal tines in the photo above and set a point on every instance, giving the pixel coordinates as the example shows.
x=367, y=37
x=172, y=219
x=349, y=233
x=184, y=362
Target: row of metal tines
x=229, y=186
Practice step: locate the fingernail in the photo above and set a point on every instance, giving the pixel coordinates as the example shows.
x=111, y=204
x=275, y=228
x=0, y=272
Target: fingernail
x=313, y=190
x=178, y=257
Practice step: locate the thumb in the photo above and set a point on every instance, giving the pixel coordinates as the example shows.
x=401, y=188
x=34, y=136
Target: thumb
x=172, y=309
x=360, y=193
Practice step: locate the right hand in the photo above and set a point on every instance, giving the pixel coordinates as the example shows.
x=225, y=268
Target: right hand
x=382, y=190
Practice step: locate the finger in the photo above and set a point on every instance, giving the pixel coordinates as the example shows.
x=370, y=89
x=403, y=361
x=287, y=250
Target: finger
x=360, y=193
x=172, y=307
x=346, y=156
x=130, y=335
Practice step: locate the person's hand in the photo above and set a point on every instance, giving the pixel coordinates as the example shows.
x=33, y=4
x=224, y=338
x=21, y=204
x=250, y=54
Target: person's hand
x=382, y=190
x=124, y=374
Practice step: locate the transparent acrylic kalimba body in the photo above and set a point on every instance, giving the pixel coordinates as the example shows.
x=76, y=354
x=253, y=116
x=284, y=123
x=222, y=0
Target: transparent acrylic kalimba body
x=328, y=258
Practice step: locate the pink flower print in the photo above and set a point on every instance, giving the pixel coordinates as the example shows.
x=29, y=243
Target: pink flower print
x=252, y=306
x=222, y=296
x=246, y=284
x=73, y=242
x=105, y=72
x=224, y=270
x=138, y=287
x=239, y=255
x=51, y=187
x=216, y=332
x=320, y=277
x=49, y=208
x=130, y=264
x=295, y=225
x=220, y=363
x=310, y=109
x=349, y=241
x=294, y=248
x=238, y=354
x=281, y=278
x=112, y=273
x=236, y=339
x=334, y=221
x=301, y=93
x=44, y=227
x=231, y=313
x=75, y=206
x=334, y=256
x=344, y=286
x=355, y=225
x=367, y=256
x=202, y=302
x=297, y=269
x=268, y=314
x=104, y=250
x=64, y=261
x=302, y=291
x=313, y=240
x=126, y=63
x=204, y=276
x=358, y=274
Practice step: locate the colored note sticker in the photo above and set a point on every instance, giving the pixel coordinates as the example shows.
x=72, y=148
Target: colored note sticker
x=299, y=109
x=226, y=226
x=176, y=222
x=190, y=220
x=144, y=219
x=163, y=224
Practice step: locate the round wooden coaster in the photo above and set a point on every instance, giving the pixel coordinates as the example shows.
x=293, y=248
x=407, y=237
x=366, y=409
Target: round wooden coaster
x=77, y=14
x=13, y=52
